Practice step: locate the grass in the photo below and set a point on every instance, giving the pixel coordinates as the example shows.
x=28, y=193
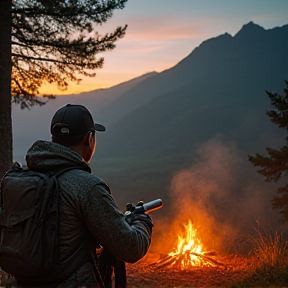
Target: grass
x=270, y=255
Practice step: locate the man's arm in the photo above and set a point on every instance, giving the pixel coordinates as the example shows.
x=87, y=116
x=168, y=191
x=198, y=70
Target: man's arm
x=109, y=226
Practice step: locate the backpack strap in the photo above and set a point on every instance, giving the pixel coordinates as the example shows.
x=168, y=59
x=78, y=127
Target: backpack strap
x=73, y=262
x=67, y=268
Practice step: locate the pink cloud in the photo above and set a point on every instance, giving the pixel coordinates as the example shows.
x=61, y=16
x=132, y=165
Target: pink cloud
x=164, y=28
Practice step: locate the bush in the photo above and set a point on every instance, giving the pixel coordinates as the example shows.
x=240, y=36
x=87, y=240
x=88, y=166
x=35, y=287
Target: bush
x=270, y=255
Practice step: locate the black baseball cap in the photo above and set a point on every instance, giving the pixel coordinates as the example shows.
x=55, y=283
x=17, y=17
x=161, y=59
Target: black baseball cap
x=73, y=121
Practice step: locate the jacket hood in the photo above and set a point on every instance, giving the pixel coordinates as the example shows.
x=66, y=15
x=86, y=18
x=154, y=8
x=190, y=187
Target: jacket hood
x=46, y=155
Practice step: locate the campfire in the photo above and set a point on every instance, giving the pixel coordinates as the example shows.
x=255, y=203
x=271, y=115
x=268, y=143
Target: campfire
x=189, y=252
x=189, y=264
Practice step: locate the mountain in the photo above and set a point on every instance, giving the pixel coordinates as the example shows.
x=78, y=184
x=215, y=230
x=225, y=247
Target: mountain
x=99, y=99
x=201, y=64
x=222, y=90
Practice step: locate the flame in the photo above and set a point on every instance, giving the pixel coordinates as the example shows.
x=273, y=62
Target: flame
x=189, y=253
x=188, y=249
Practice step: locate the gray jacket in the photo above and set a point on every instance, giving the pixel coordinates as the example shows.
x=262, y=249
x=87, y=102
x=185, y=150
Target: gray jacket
x=87, y=209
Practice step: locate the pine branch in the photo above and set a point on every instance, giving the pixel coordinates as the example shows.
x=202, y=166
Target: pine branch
x=275, y=166
x=53, y=41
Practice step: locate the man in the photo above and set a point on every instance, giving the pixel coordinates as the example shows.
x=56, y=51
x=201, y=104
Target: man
x=87, y=209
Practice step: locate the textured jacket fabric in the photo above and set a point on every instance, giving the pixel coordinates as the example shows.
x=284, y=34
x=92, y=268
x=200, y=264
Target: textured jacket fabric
x=87, y=209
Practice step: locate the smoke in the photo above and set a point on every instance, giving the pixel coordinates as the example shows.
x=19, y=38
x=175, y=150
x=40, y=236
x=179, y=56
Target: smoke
x=222, y=194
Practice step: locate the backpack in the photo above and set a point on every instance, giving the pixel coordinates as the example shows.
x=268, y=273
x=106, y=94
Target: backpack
x=29, y=246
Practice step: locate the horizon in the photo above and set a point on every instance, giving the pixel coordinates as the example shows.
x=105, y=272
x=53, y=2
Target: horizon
x=157, y=39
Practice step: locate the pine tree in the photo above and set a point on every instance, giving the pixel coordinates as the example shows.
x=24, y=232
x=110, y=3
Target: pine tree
x=5, y=84
x=275, y=166
x=54, y=41
x=45, y=41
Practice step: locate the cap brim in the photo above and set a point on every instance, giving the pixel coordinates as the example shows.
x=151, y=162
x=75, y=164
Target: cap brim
x=99, y=127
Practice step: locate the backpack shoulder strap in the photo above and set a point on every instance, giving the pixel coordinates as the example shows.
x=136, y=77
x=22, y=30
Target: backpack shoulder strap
x=68, y=267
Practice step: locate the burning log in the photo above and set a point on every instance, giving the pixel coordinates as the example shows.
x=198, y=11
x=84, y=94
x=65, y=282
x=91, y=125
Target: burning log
x=208, y=259
x=211, y=253
x=179, y=259
x=188, y=253
x=163, y=262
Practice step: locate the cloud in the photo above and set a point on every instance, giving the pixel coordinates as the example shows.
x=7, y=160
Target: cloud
x=150, y=33
x=165, y=28
x=140, y=46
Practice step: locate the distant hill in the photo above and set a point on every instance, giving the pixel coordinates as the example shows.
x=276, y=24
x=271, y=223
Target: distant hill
x=29, y=125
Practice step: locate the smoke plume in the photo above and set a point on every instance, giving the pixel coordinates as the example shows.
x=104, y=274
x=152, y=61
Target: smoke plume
x=222, y=194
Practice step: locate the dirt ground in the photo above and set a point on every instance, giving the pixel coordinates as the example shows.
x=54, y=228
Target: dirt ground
x=144, y=275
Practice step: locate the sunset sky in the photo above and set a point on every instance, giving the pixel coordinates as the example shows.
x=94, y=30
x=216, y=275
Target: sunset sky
x=162, y=32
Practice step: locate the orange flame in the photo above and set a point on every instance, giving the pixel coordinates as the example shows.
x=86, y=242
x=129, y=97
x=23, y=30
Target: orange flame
x=189, y=248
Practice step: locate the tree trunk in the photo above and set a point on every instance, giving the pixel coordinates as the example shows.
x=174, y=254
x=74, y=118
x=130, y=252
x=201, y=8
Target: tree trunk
x=5, y=87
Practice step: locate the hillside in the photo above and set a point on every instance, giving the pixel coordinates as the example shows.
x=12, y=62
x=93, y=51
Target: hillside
x=32, y=124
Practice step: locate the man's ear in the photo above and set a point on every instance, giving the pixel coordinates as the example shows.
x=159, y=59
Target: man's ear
x=87, y=139
x=91, y=139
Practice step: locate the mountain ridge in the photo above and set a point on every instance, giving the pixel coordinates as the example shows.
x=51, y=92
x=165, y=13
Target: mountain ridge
x=26, y=129
x=155, y=86
x=219, y=67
